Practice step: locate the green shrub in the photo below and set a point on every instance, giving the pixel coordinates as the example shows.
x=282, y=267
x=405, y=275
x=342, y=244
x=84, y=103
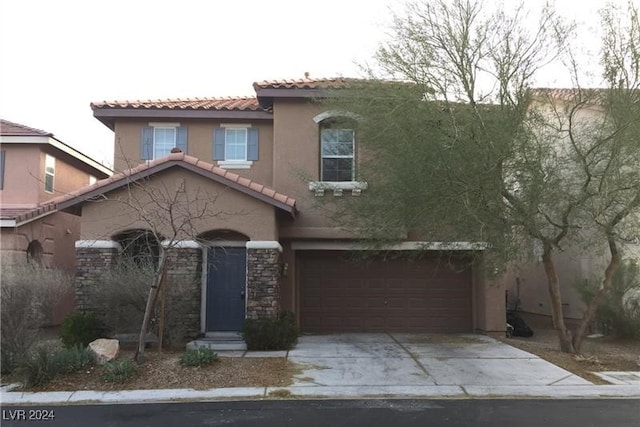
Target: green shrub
x=198, y=357
x=271, y=334
x=45, y=363
x=119, y=371
x=73, y=359
x=79, y=329
x=612, y=316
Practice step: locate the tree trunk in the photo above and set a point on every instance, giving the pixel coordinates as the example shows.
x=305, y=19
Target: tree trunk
x=564, y=334
x=595, y=302
x=151, y=301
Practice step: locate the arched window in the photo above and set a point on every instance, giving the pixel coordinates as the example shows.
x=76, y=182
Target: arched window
x=139, y=246
x=34, y=252
x=337, y=149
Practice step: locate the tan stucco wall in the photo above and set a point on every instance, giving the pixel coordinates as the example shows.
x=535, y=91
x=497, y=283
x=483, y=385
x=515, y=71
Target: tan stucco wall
x=22, y=180
x=226, y=209
x=67, y=178
x=489, y=310
x=57, y=233
x=24, y=176
x=528, y=281
x=199, y=144
x=297, y=156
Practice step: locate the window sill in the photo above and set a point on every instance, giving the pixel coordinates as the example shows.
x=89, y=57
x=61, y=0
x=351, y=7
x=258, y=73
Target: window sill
x=235, y=164
x=338, y=187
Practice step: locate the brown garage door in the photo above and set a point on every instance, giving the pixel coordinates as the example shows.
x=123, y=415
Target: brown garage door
x=341, y=294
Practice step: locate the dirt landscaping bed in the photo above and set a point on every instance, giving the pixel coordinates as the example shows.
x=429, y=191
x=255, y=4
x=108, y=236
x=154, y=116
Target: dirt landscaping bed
x=162, y=371
x=597, y=354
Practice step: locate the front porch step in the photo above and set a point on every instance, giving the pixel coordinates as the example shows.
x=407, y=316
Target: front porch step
x=220, y=341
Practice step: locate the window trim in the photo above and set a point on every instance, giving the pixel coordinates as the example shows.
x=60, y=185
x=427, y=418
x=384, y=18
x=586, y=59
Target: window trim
x=175, y=139
x=52, y=174
x=352, y=156
x=221, y=149
x=226, y=141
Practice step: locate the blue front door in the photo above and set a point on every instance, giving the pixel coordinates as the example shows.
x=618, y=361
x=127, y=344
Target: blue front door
x=226, y=283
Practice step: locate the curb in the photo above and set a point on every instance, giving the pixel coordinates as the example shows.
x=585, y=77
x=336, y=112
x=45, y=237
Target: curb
x=319, y=392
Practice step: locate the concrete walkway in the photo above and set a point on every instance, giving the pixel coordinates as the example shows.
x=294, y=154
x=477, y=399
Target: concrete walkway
x=383, y=365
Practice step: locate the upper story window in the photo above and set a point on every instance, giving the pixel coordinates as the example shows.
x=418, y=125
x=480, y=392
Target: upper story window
x=158, y=139
x=337, y=155
x=337, y=148
x=235, y=146
x=49, y=172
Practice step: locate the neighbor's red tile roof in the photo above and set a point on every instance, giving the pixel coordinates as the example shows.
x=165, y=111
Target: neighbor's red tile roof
x=594, y=95
x=226, y=103
x=21, y=214
x=321, y=83
x=8, y=128
x=184, y=160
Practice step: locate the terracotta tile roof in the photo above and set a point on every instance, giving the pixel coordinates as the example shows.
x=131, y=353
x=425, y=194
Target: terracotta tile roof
x=595, y=95
x=21, y=214
x=209, y=170
x=306, y=83
x=8, y=128
x=227, y=103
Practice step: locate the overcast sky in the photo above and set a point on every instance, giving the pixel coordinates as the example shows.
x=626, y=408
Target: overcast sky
x=60, y=55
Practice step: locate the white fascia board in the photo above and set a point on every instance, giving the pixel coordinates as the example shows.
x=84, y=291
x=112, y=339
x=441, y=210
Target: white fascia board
x=98, y=244
x=7, y=139
x=264, y=244
x=7, y=223
x=404, y=246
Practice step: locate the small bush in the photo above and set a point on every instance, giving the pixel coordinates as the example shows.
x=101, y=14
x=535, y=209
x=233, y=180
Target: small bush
x=70, y=360
x=120, y=294
x=28, y=294
x=38, y=368
x=45, y=363
x=613, y=315
x=119, y=371
x=271, y=334
x=199, y=356
x=79, y=329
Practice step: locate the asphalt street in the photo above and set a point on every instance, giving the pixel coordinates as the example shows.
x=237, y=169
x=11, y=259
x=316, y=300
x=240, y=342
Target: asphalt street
x=336, y=413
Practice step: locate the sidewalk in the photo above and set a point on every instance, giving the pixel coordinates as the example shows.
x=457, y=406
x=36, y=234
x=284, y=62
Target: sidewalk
x=320, y=392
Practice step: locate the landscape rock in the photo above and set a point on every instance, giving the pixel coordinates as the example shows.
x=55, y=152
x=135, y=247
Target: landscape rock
x=104, y=350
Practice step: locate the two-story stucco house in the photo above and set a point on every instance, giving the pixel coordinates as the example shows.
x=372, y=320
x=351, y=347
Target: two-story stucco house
x=262, y=245
x=36, y=167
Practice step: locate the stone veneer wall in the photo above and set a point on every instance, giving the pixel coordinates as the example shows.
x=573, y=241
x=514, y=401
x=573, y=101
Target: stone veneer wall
x=263, y=283
x=90, y=262
x=183, y=287
x=183, y=293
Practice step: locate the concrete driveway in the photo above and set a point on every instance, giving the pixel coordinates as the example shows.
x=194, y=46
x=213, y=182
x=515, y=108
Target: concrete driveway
x=415, y=360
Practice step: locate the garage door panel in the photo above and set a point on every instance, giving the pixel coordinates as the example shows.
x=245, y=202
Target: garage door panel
x=339, y=294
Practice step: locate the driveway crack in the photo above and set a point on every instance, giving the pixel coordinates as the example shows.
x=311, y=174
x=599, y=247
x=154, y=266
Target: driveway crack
x=415, y=359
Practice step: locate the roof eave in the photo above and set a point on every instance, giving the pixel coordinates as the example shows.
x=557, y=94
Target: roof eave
x=74, y=201
x=107, y=116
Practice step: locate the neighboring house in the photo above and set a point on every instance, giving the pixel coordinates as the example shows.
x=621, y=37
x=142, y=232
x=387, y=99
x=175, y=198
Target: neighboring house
x=527, y=282
x=262, y=245
x=35, y=167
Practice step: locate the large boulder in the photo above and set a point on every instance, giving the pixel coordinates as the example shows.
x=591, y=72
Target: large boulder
x=104, y=350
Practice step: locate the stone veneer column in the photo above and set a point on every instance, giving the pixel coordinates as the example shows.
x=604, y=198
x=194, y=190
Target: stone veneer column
x=92, y=258
x=183, y=291
x=263, y=279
